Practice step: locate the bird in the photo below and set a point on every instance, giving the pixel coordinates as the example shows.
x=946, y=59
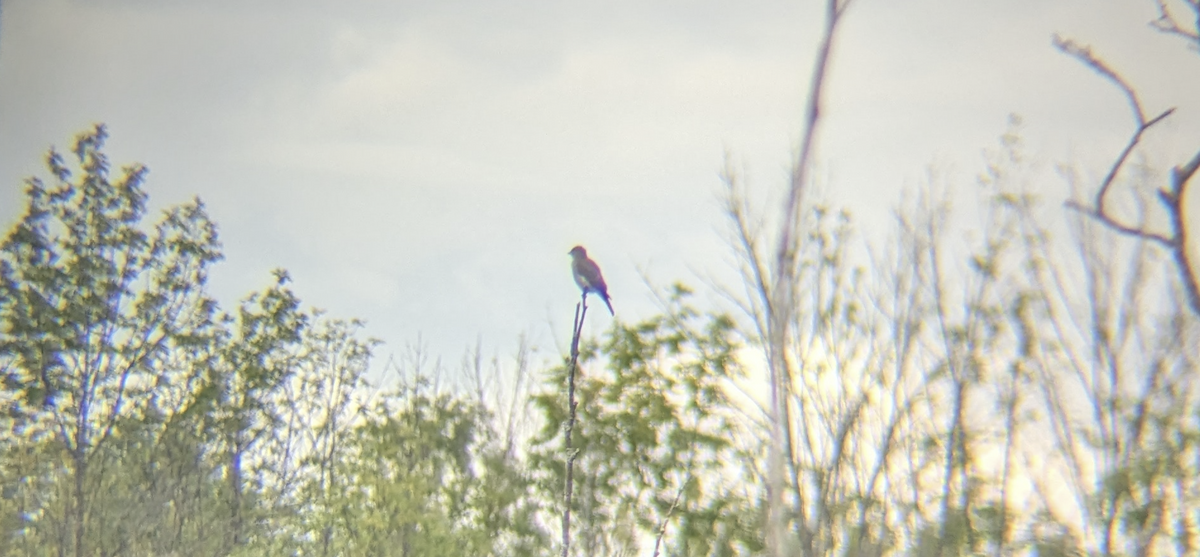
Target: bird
x=587, y=275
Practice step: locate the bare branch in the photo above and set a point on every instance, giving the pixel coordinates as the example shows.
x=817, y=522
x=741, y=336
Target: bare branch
x=1133, y=141
x=1123, y=229
x=1084, y=54
x=662, y=529
x=1167, y=23
x=785, y=251
x=577, y=332
x=1180, y=176
x=781, y=300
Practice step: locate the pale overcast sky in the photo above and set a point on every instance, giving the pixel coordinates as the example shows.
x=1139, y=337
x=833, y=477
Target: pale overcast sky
x=427, y=166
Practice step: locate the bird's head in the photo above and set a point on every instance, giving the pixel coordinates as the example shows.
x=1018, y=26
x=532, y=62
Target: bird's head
x=578, y=251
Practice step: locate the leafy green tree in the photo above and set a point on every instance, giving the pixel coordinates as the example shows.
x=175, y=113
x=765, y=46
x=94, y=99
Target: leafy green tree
x=91, y=307
x=311, y=443
x=656, y=462
x=425, y=474
x=256, y=354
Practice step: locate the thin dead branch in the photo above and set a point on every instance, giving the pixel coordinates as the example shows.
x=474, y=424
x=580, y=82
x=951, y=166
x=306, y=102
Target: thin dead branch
x=662, y=529
x=572, y=453
x=782, y=300
x=1175, y=240
x=1167, y=22
x=1084, y=54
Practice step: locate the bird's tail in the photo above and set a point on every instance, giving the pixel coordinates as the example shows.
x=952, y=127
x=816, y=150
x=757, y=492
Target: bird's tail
x=609, y=304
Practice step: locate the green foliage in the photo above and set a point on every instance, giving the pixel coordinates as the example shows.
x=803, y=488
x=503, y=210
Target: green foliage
x=1027, y=395
x=92, y=307
x=424, y=475
x=654, y=438
x=147, y=422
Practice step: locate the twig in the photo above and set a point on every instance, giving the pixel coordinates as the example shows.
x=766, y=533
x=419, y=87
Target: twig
x=1084, y=54
x=662, y=530
x=1167, y=23
x=1180, y=176
x=580, y=313
x=1123, y=229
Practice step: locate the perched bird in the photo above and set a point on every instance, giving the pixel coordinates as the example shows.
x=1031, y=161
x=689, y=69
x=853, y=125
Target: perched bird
x=587, y=275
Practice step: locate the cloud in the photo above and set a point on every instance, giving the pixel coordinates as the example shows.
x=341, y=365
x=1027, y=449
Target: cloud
x=431, y=162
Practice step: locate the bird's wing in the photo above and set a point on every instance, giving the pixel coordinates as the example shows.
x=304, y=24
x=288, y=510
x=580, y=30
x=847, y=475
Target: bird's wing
x=590, y=272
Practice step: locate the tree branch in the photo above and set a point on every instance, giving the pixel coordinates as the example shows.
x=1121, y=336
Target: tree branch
x=1123, y=229
x=1167, y=23
x=1084, y=54
x=1180, y=177
x=1176, y=241
x=781, y=302
x=577, y=331
x=662, y=529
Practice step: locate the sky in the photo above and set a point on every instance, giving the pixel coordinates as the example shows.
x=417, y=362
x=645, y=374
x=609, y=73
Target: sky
x=426, y=166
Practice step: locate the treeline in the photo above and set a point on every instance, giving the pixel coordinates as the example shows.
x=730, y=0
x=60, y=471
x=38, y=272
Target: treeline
x=139, y=418
x=1035, y=395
